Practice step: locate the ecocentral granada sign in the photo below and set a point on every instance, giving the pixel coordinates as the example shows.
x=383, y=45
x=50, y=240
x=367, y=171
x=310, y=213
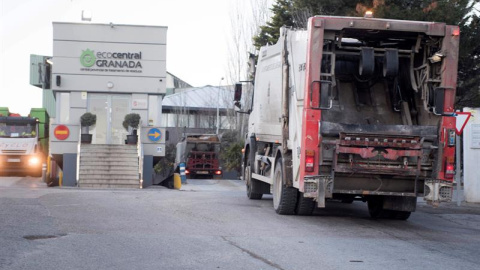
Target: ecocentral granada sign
x=111, y=61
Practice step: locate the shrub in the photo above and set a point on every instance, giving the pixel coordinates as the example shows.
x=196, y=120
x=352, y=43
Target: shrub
x=131, y=120
x=88, y=119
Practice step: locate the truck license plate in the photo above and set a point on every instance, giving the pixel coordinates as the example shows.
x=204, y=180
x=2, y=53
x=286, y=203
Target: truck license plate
x=202, y=172
x=13, y=160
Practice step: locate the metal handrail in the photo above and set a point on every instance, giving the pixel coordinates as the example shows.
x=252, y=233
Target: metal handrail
x=77, y=171
x=140, y=154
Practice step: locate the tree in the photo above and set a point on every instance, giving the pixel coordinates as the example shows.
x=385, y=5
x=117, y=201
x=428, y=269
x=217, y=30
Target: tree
x=231, y=154
x=165, y=166
x=269, y=33
x=468, y=88
x=246, y=19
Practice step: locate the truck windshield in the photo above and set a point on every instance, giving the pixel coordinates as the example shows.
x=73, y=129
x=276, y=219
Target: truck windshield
x=17, y=130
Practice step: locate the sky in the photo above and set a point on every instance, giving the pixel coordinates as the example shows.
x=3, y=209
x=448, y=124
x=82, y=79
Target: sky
x=197, y=38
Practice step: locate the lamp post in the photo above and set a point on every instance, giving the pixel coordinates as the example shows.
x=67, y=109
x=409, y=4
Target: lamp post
x=218, y=105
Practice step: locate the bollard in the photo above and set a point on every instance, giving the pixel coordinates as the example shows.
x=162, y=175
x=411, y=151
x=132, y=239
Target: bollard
x=177, y=182
x=182, y=173
x=44, y=173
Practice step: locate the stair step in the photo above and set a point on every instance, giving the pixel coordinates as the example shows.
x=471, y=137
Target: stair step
x=119, y=163
x=107, y=154
x=107, y=176
x=107, y=171
x=136, y=186
x=110, y=166
x=94, y=151
x=118, y=146
x=111, y=160
x=116, y=182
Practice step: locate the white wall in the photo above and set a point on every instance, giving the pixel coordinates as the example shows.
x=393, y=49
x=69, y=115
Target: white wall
x=471, y=156
x=109, y=58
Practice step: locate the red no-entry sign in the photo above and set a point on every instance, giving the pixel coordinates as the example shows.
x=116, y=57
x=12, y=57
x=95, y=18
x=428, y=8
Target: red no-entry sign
x=61, y=132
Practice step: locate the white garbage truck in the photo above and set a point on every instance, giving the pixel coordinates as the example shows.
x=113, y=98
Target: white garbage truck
x=353, y=108
x=23, y=142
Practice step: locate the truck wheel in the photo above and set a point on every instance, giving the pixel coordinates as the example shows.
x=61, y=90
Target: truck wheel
x=375, y=207
x=252, y=184
x=366, y=65
x=284, y=198
x=400, y=215
x=305, y=206
x=347, y=201
x=390, y=63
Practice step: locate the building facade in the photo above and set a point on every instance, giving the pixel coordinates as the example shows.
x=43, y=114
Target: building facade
x=109, y=70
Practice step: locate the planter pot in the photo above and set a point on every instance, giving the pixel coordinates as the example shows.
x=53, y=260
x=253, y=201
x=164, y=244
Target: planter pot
x=86, y=138
x=132, y=139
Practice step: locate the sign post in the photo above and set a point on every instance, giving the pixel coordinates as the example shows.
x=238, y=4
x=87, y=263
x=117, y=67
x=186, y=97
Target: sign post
x=461, y=120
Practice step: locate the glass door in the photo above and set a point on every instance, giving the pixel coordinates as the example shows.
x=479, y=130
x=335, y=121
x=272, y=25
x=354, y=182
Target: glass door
x=120, y=106
x=98, y=105
x=110, y=111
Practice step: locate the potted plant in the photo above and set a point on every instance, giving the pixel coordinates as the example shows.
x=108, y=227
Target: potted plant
x=87, y=120
x=131, y=123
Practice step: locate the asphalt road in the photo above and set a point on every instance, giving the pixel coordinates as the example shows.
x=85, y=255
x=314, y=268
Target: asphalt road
x=210, y=224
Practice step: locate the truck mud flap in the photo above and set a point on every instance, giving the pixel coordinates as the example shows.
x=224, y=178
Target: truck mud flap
x=320, y=188
x=436, y=191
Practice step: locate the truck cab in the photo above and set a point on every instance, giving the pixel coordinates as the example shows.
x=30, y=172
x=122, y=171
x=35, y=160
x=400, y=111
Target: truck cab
x=19, y=145
x=200, y=153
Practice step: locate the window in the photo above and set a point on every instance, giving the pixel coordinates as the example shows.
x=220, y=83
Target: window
x=171, y=120
x=191, y=121
x=64, y=107
x=207, y=121
x=226, y=122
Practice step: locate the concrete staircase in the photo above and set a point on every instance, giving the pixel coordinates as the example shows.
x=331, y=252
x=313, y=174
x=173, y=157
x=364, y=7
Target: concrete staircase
x=108, y=166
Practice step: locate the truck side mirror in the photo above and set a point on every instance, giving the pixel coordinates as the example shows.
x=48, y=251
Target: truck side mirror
x=439, y=100
x=238, y=94
x=326, y=96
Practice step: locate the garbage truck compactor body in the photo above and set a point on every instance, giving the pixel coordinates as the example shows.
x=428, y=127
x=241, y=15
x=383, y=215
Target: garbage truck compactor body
x=354, y=109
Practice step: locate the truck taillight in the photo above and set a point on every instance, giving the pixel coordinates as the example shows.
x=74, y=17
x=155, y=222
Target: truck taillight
x=187, y=171
x=449, y=167
x=449, y=170
x=218, y=172
x=309, y=160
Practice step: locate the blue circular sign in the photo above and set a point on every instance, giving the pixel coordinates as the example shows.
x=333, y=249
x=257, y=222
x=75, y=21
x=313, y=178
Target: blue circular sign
x=154, y=134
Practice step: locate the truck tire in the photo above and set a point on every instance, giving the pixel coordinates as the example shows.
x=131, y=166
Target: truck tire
x=366, y=65
x=400, y=215
x=284, y=198
x=347, y=201
x=390, y=63
x=375, y=207
x=253, y=190
x=305, y=206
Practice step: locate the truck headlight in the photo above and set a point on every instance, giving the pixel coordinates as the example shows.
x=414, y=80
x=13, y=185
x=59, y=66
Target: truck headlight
x=32, y=161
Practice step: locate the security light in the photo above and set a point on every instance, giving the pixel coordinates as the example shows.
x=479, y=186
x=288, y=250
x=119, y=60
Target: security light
x=86, y=15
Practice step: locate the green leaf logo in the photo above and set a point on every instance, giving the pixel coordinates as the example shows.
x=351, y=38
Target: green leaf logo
x=87, y=59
